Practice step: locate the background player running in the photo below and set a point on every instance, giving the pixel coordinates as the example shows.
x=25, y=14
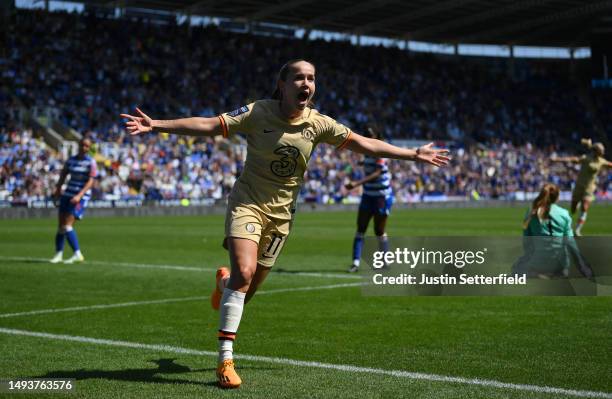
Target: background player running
x=281, y=135
x=586, y=183
x=72, y=202
x=376, y=201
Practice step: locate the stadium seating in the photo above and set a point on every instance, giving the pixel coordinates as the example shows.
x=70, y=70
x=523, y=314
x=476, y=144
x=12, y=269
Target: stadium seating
x=86, y=70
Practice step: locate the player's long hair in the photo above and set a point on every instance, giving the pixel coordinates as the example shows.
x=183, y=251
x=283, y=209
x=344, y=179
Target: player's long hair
x=282, y=75
x=541, y=205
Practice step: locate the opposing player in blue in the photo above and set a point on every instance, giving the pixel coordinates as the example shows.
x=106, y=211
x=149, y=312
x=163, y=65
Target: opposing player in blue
x=72, y=202
x=376, y=202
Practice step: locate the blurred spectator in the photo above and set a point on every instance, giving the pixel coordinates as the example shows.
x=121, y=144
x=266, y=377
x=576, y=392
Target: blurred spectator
x=85, y=70
x=200, y=168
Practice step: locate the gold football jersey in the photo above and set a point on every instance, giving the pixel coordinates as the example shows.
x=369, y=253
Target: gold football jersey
x=589, y=168
x=278, y=152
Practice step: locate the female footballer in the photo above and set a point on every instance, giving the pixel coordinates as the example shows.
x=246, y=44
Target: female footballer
x=586, y=183
x=281, y=135
x=549, y=255
x=376, y=202
x=73, y=201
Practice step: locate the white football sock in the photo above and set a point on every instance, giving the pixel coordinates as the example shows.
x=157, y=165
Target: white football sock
x=232, y=304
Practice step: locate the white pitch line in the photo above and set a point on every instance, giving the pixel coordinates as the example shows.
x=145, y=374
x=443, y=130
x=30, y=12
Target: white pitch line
x=107, y=306
x=183, y=268
x=168, y=300
x=330, y=366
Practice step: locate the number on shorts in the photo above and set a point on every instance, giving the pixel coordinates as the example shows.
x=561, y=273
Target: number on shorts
x=274, y=246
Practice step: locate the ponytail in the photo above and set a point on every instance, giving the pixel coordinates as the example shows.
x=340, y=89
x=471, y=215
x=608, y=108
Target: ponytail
x=548, y=196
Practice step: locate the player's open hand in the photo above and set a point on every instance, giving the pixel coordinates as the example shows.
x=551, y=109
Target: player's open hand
x=138, y=124
x=434, y=156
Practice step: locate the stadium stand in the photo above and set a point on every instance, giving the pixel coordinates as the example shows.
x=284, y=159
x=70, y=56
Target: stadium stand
x=503, y=121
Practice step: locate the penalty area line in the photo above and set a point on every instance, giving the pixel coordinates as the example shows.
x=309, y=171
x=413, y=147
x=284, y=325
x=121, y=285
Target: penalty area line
x=309, y=364
x=179, y=267
x=167, y=300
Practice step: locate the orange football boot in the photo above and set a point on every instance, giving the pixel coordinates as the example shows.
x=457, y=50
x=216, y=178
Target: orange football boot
x=227, y=376
x=215, y=297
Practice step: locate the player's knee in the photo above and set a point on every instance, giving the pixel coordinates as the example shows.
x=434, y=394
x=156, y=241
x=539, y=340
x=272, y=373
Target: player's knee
x=242, y=278
x=67, y=228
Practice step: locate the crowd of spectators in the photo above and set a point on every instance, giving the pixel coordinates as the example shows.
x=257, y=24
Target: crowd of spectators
x=88, y=69
x=506, y=120
x=171, y=167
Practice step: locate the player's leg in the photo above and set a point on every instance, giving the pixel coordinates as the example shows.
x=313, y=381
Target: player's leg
x=72, y=239
x=585, y=204
x=273, y=238
x=258, y=278
x=574, y=205
x=271, y=242
x=60, y=236
x=240, y=222
x=243, y=226
x=243, y=260
x=380, y=222
x=363, y=219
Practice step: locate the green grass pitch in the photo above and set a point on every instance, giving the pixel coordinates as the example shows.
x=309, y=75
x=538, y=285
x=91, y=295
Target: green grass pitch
x=166, y=348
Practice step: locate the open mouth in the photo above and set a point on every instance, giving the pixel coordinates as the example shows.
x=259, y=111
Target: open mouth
x=303, y=96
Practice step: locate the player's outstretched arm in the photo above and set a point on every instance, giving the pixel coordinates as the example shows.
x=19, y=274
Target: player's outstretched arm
x=565, y=159
x=195, y=126
x=380, y=149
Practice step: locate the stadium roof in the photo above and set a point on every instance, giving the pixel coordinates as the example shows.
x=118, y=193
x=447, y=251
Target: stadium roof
x=566, y=23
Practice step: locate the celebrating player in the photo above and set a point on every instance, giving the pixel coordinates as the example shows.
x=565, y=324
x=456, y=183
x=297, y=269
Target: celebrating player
x=586, y=183
x=376, y=201
x=281, y=135
x=82, y=170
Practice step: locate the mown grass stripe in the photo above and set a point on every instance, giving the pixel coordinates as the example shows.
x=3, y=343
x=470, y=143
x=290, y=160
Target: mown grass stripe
x=301, y=363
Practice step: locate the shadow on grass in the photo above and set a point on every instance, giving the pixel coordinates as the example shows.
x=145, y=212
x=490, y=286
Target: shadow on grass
x=18, y=260
x=149, y=375
x=280, y=270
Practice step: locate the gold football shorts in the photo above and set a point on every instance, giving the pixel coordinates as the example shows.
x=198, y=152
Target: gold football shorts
x=244, y=221
x=580, y=193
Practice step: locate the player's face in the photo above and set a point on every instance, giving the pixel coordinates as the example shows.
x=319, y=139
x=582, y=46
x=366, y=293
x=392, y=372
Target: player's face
x=84, y=147
x=299, y=88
